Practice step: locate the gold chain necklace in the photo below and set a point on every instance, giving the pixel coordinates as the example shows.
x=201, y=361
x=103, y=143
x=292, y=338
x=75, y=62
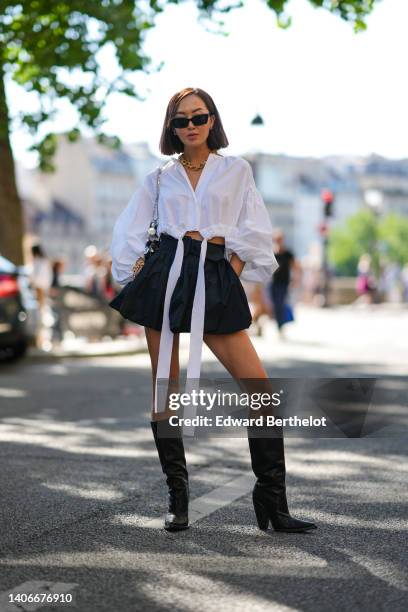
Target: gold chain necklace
x=191, y=166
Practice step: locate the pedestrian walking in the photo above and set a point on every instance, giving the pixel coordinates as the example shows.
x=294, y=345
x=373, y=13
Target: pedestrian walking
x=40, y=279
x=281, y=280
x=57, y=267
x=260, y=304
x=214, y=228
x=94, y=272
x=366, y=284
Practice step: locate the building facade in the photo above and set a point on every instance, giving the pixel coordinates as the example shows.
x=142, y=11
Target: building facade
x=78, y=204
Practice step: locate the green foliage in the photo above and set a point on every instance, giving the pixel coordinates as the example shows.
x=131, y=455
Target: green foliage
x=353, y=11
x=346, y=244
x=50, y=47
x=393, y=231
x=384, y=238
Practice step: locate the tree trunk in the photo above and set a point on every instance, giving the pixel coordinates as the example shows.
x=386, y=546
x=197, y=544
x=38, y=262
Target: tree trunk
x=11, y=214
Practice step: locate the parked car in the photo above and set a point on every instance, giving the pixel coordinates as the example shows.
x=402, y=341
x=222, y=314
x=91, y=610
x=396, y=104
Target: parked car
x=19, y=315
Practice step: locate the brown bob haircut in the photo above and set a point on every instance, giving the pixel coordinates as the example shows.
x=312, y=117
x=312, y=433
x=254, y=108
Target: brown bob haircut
x=170, y=143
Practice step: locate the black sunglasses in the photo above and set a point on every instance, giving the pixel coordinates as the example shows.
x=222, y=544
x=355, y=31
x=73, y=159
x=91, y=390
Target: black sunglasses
x=182, y=122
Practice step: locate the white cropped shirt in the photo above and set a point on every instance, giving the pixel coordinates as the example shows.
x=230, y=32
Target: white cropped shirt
x=225, y=203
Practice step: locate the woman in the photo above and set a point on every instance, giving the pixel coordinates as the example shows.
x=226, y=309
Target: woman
x=212, y=223
x=41, y=279
x=282, y=279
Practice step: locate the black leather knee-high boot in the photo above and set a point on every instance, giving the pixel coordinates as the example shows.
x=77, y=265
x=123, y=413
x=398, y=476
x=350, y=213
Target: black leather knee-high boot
x=173, y=462
x=269, y=493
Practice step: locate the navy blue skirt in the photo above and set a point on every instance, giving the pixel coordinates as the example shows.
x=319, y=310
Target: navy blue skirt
x=226, y=304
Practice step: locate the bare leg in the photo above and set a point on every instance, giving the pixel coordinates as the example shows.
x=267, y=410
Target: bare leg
x=153, y=344
x=170, y=448
x=238, y=355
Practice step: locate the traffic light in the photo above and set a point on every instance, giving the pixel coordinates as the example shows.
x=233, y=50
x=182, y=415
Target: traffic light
x=327, y=199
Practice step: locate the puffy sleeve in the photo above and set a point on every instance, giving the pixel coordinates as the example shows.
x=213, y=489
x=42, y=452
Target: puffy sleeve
x=252, y=238
x=130, y=230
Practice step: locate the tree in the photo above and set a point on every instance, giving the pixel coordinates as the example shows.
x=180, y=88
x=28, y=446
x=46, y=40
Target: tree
x=45, y=43
x=384, y=238
x=393, y=231
x=358, y=235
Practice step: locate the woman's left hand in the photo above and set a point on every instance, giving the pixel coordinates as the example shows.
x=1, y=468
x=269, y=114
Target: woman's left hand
x=236, y=264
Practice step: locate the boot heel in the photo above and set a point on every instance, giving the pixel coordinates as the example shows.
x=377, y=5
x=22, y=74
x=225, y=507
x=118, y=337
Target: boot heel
x=262, y=515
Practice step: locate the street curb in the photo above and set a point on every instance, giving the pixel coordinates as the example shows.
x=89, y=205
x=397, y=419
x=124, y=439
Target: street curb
x=37, y=354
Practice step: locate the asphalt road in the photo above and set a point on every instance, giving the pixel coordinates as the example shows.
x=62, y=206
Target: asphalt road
x=82, y=493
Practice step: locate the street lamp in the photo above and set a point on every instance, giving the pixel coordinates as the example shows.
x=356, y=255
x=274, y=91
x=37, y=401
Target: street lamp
x=256, y=121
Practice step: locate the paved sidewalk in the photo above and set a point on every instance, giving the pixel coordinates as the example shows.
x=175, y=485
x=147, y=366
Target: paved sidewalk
x=83, y=348
x=355, y=326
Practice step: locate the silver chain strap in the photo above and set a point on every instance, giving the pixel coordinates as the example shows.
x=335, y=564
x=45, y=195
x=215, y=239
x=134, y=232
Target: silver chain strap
x=156, y=204
x=152, y=231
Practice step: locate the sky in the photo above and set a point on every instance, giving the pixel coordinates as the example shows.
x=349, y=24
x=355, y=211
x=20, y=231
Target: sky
x=320, y=88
